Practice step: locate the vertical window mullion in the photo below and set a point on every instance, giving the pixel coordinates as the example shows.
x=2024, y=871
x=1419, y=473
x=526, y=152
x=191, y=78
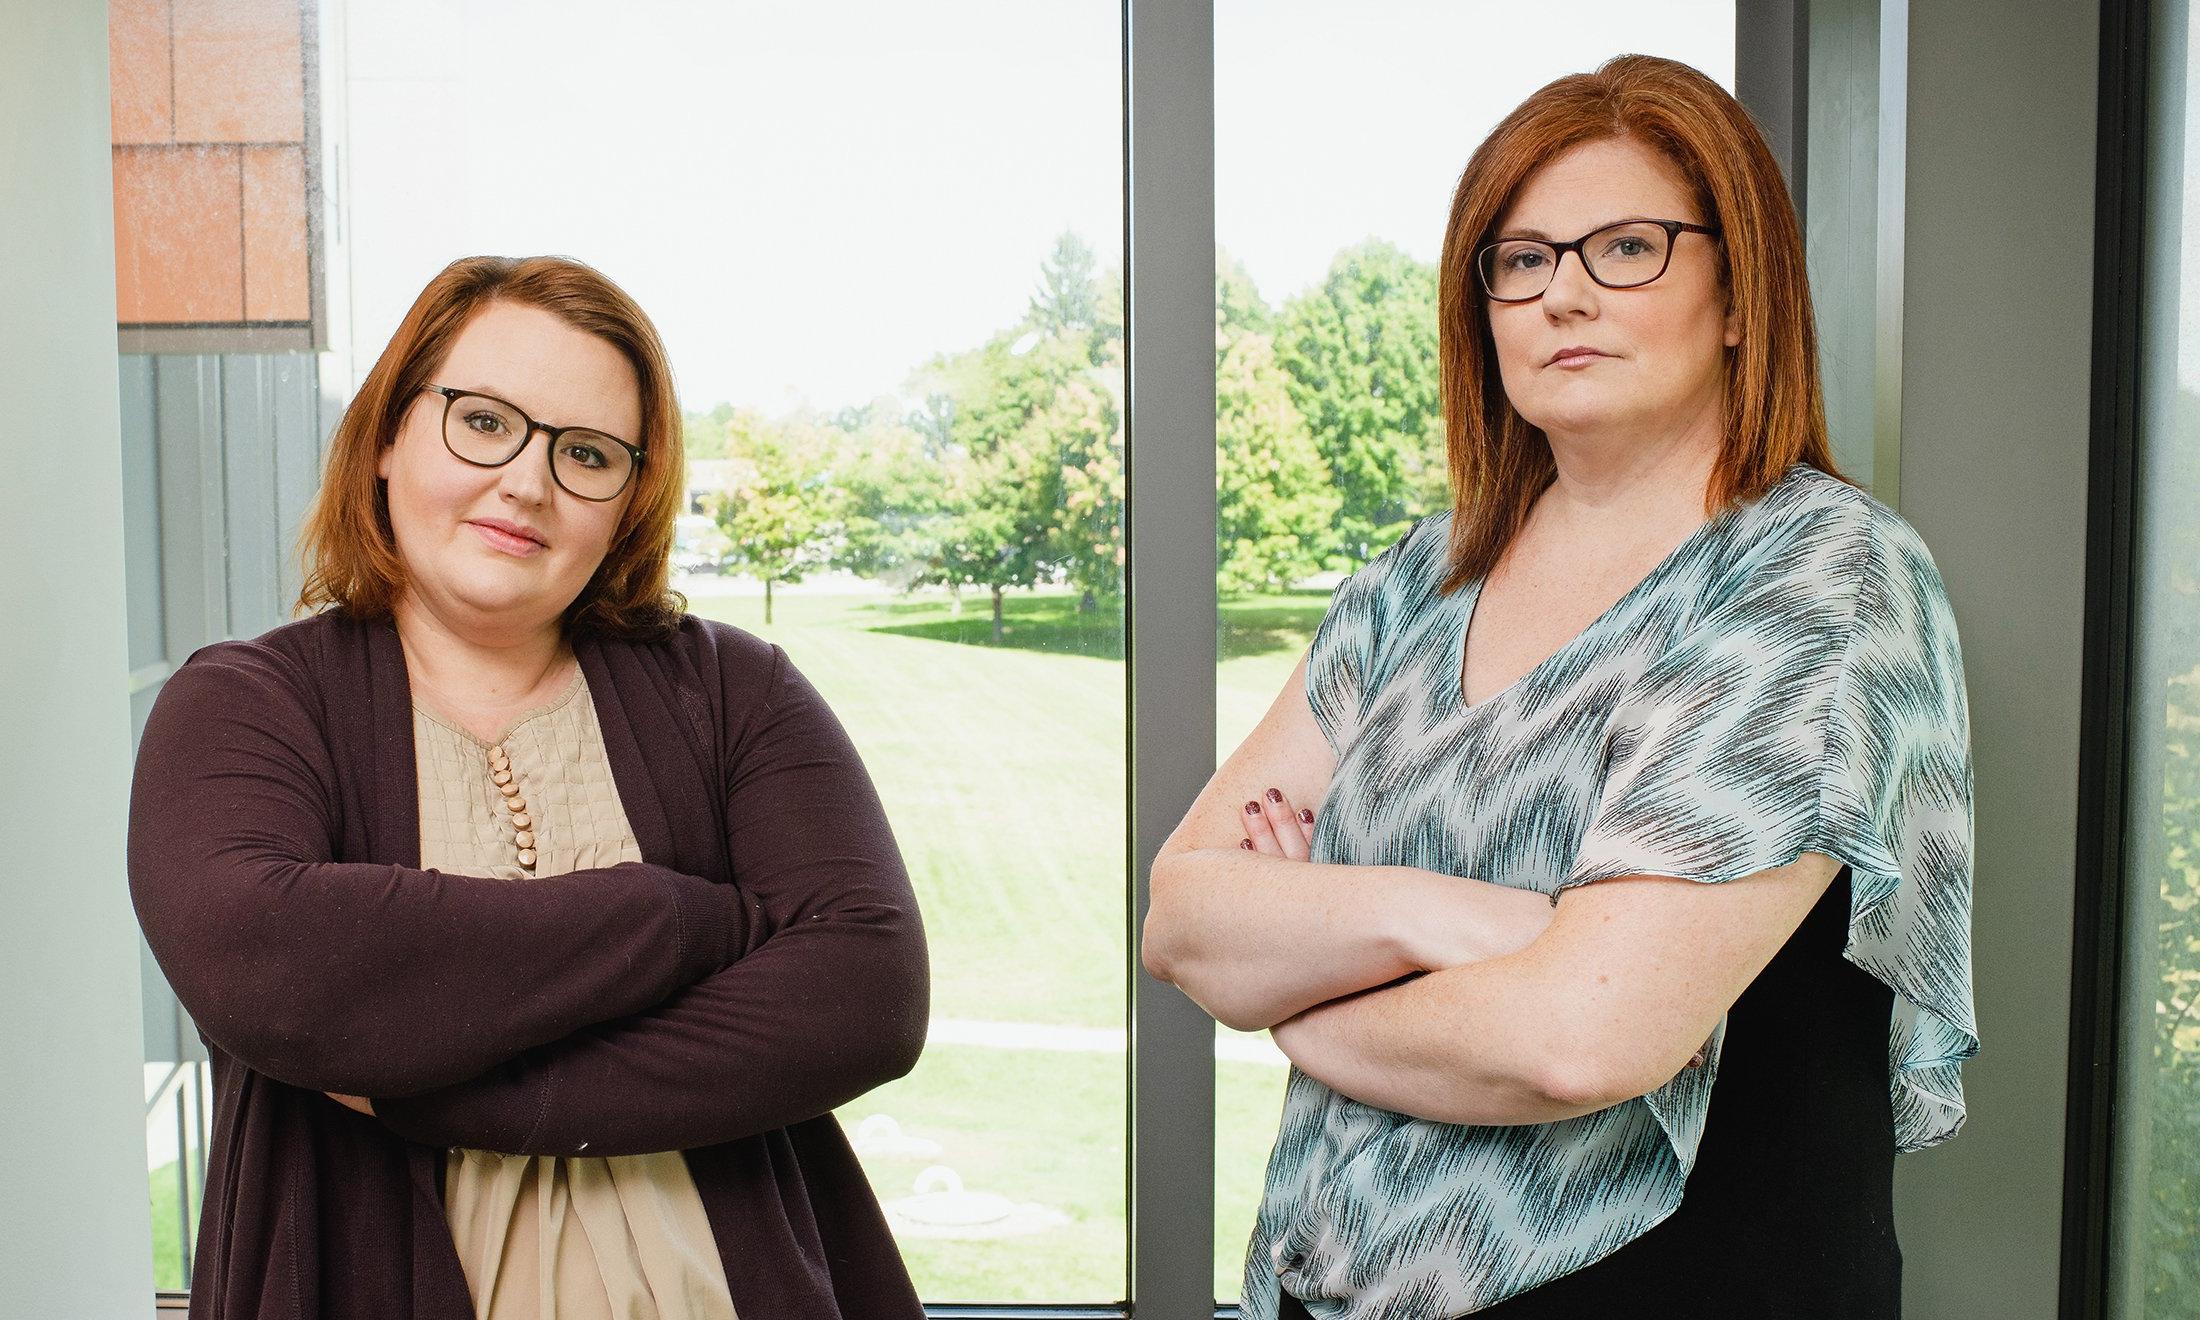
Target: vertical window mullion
x=1169, y=246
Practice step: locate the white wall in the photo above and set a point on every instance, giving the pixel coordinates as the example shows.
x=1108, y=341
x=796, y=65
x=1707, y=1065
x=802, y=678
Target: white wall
x=1996, y=379
x=74, y=1233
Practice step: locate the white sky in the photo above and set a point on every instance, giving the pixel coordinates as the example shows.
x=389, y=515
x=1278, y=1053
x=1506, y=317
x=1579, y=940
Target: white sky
x=811, y=197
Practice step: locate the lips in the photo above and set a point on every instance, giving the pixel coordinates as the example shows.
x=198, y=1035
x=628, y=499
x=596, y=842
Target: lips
x=510, y=537
x=1574, y=353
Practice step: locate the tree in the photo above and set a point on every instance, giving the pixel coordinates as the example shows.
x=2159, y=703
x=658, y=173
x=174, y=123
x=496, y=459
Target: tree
x=896, y=489
x=1032, y=453
x=1361, y=352
x=1003, y=473
x=1085, y=423
x=1067, y=301
x=1239, y=308
x=1274, y=504
x=780, y=509
x=709, y=435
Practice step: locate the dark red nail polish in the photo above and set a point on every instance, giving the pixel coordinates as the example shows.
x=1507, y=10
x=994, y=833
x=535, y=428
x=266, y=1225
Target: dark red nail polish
x=1274, y=796
x=1252, y=808
x=1306, y=815
x=1246, y=844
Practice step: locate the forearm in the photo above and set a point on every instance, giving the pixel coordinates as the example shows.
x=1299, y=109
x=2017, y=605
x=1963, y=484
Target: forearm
x=365, y=978
x=1254, y=939
x=380, y=980
x=1475, y=1044
x=830, y=999
x=809, y=1021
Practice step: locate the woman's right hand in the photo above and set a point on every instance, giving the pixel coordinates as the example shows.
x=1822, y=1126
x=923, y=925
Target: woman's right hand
x=1451, y=924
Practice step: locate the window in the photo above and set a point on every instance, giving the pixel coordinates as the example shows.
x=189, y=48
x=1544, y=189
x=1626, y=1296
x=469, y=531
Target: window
x=884, y=244
x=2153, y=1216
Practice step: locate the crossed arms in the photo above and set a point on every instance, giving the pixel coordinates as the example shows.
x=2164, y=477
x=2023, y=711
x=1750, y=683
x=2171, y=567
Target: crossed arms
x=1456, y=1000
x=617, y=1010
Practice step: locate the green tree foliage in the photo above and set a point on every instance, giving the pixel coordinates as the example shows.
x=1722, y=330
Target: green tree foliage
x=1067, y=301
x=780, y=509
x=1009, y=471
x=1034, y=474
x=1275, y=508
x=1026, y=430
x=897, y=487
x=1239, y=308
x=2171, y=1233
x=2165, y=1127
x=1361, y=352
x=709, y=435
x=1274, y=504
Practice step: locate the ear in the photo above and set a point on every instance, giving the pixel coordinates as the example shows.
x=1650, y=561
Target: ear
x=1733, y=329
x=382, y=461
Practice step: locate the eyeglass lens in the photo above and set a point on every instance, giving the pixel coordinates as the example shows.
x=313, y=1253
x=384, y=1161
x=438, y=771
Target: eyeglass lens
x=1620, y=257
x=489, y=432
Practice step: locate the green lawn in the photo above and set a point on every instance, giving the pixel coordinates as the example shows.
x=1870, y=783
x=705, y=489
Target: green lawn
x=1049, y=1128
x=1002, y=769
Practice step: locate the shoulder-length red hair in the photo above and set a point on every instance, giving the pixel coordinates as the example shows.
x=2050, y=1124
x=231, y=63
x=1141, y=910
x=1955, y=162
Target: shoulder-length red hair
x=1775, y=409
x=349, y=554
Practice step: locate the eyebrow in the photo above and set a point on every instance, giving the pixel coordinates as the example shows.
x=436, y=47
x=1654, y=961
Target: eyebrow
x=506, y=399
x=1539, y=234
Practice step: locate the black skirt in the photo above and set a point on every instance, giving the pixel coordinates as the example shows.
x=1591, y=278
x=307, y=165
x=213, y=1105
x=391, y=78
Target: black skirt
x=1789, y=1210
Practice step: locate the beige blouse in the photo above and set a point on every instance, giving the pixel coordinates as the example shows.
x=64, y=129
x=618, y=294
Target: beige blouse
x=545, y=1237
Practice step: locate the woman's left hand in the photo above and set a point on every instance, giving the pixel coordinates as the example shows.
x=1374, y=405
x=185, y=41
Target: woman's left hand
x=1274, y=827
x=356, y=1103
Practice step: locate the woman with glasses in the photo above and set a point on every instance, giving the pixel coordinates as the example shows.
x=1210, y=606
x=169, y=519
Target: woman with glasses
x=534, y=926
x=1630, y=941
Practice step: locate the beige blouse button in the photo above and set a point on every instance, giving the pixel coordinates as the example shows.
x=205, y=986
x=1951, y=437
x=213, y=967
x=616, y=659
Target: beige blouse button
x=525, y=839
x=522, y=821
x=526, y=857
x=502, y=777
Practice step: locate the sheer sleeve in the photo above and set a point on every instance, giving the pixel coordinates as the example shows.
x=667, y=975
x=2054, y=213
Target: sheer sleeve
x=1819, y=706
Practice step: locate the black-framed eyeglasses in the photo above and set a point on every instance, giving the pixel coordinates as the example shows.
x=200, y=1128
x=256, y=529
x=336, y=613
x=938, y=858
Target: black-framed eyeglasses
x=486, y=431
x=1627, y=255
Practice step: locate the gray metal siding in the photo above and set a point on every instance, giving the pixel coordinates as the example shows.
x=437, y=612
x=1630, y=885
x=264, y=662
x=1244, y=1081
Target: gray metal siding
x=221, y=456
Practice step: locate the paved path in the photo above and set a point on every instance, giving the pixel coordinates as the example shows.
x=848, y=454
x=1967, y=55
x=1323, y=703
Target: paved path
x=1234, y=1046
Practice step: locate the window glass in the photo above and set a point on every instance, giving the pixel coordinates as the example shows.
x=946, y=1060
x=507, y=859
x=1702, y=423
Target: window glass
x=1339, y=135
x=883, y=245
x=2155, y=1247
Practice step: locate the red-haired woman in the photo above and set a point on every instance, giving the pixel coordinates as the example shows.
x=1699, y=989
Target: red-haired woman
x=1631, y=941
x=534, y=927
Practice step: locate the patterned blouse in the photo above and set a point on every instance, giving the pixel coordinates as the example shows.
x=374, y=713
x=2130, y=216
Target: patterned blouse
x=1786, y=680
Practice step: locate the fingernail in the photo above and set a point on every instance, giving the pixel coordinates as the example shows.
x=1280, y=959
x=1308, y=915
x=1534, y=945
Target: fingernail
x=1274, y=796
x=1246, y=844
x=1306, y=815
x=1252, y=808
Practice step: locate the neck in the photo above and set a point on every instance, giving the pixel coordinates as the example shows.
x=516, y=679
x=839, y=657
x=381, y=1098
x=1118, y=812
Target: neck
x=1636, y=478
x=487, y=666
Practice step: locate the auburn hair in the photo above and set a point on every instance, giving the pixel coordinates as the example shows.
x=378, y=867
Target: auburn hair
x=346, y=545
x=1775, y=409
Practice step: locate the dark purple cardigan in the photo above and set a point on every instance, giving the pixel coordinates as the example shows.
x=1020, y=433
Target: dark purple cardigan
x=765, y=964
